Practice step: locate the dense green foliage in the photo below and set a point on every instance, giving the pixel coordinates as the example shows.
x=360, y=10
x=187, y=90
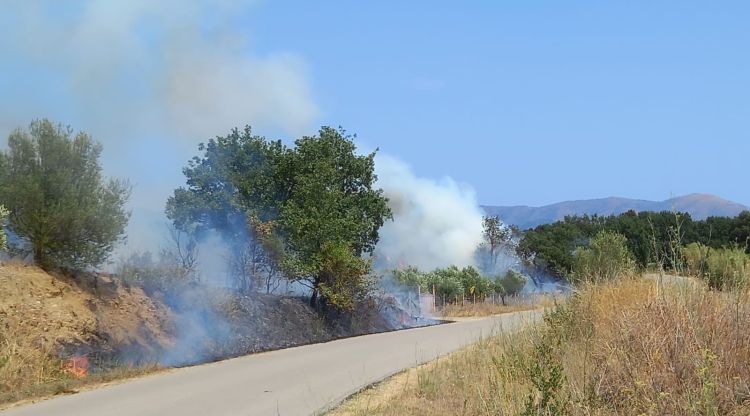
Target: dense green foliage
x=315, y=201
x=452, y=283
x=606, y=258
x=651, y=238
x=51, y=182
x=3, y=238
x=510, y=284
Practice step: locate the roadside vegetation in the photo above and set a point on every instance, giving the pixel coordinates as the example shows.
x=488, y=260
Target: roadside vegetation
x=309, y=214
x=306, y=214
x=621, y=344
x=654, y=240
x=453, y=286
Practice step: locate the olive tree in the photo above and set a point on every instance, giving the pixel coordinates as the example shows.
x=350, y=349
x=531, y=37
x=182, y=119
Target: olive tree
x=59, y=202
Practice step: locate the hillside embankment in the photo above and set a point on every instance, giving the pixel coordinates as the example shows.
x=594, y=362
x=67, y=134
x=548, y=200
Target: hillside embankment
x=59, y=333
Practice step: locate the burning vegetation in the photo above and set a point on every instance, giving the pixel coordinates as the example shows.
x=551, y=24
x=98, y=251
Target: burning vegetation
x=270, y=246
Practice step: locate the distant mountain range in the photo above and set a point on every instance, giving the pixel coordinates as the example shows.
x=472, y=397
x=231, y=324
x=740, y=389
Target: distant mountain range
x=699, y=206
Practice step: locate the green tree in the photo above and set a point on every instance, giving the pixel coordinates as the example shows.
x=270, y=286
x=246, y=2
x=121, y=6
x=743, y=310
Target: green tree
x=52, y=183
x=318, y=199
x=410, y=276
x=474, y=284
x=511, y=284
x=331, y=201
x=446, y=283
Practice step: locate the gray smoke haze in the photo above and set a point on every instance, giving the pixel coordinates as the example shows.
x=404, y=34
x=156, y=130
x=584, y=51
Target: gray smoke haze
x=148, y=79
x=145, y=67
x=436, y=223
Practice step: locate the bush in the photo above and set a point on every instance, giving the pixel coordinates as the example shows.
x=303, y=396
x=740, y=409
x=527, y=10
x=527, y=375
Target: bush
x=509, y=285
x=723, y=268
x=446, y=282
x=410, y=276
x=727, y=268
x=606, y=258
x=474, y=284
x=162, y=274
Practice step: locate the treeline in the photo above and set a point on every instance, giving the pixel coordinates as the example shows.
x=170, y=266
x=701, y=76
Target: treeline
x=653, y=239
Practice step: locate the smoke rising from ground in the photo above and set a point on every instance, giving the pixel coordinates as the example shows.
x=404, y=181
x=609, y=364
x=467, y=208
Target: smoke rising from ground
x=435, y=223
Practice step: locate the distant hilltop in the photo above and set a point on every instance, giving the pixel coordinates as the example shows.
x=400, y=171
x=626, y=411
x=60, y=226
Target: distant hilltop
x=700, y=206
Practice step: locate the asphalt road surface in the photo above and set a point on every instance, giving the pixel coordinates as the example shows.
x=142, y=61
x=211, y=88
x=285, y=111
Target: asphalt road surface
x=296, y=381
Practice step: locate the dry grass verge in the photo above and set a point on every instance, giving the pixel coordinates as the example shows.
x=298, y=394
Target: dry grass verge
x=514, y=304
x=45, y=319
x=632, y=347
x=482, y=309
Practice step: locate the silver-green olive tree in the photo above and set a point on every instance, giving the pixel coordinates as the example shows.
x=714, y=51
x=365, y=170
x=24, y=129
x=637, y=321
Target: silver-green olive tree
x=51, y=181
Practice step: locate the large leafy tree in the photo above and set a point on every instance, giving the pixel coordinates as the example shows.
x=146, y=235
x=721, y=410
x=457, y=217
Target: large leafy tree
x=318, y=198
x=51, y=181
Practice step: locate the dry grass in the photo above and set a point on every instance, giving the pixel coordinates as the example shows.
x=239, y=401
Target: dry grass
x=513, y=304
x=482, y=309
x=630, y=347
x=40, y=314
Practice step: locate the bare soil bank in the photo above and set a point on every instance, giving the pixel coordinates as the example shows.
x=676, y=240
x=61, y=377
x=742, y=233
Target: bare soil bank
x=46, y=319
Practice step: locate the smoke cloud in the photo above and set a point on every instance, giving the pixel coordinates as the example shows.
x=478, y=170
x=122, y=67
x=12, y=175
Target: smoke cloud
x=175, y=68
x=435, y=223
x=148, y=79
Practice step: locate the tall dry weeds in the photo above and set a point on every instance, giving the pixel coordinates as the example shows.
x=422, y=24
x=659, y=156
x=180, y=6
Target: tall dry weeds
x=629, y=347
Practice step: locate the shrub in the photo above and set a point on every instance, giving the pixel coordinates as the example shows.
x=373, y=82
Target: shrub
x=727, y=268
x=722, y=268
x=509, y=285
x=410, y=276
x=446, y=282
x=606, y=258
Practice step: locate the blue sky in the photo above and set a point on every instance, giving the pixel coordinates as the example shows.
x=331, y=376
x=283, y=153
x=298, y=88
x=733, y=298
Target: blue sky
x=528, y=102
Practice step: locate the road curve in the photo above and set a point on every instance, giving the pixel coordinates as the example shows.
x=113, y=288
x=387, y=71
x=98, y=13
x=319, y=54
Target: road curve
x=295, y=381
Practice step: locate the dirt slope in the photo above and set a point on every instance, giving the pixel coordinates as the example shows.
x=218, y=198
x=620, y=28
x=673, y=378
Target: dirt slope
x=76, y=316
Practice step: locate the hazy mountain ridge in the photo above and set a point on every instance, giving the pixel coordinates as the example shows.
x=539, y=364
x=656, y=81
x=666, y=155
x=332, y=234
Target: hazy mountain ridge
x=699, y=206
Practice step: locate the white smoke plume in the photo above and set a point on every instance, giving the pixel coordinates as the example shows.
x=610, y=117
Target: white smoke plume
x=435, y=223
x=121, y=68
x=149, y=80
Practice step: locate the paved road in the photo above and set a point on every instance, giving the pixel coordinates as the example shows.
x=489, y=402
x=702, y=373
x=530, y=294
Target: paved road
x=296, y=381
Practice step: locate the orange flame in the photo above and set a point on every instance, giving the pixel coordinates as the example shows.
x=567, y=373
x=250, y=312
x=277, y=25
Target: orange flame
x=77, y=366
